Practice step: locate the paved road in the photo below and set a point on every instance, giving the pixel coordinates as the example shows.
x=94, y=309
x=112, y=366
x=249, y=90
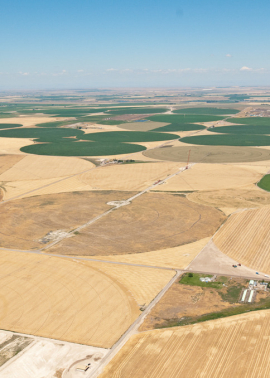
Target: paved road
x=132, y=330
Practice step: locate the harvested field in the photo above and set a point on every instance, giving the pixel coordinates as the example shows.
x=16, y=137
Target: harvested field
x=177, y=257
x=232, y=198
x=210, y=154
x=13, y=145
x=8, y=161
x=149, y=223
x=142, y=126
x=25, y=222
x=184, y=303
x=144, y=284
x=41, y=167
x=245, y=237
x=236, y=347
x=127, y=176
x=62, y=299
x=210, y=177
x=27, y=121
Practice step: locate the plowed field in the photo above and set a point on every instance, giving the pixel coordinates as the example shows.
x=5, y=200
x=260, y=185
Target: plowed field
x=236, y=347
x=245, y=237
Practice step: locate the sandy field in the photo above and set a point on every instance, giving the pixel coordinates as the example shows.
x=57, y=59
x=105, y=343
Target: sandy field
x=234, y=198
x=34, y=167
x=245, y=237
x=25, y=222
x=136, y=176
x=210, y=177
x=143, y=283
x=48, y=359
x=210, y=154
x=236, y=347
x=62, y=299
x=151, y=222
x=178, y=257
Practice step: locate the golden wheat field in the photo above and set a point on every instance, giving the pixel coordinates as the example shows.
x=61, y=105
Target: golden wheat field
x=143, y=283
x=178, y=257
x=211, y=177
x=128, y=176
x=33, y=167
x=235, y=347
x=63, y=299
x=245, y=237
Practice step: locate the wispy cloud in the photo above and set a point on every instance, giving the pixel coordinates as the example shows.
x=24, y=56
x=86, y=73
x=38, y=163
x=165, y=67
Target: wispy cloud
x=228, y=55
x=245, y=68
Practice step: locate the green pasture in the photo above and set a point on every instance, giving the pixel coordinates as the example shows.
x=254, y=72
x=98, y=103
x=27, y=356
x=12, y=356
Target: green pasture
x=42, y=134
x=208, y=111
x=56, y=124
x=182, y=118
x=9, y=125
x=82, y=149
x=136, y=111
x=229, y=140
x=245, y=129
x=128, y=136
x=264, y=183
x=254, y=121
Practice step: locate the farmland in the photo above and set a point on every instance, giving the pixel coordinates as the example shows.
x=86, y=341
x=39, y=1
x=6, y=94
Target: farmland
x=113, y=205
x=264, y=183
x=211, y=154
x=229, y=140
x=152, y=222
x=245, y=237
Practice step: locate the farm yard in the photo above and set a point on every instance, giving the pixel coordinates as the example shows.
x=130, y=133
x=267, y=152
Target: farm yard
x=112, y=210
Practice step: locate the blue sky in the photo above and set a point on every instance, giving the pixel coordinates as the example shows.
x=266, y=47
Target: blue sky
x=108, y=43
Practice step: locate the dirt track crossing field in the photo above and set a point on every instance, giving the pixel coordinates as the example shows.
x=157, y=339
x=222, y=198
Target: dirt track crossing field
x=62, y=299
x=210, y=154
x=149, y=223
x=236, y=347
x=25, y=221
x=209, y=177
x=245, y=237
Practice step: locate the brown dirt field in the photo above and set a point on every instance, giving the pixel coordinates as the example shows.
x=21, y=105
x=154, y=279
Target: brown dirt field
x=25, y=221
x=210, y=154
x=129, y=117
x=151, y=222
x=211, y=177
x=236, y=347
x=62, y=299
x=142, y=126
x=34, y=167
x=234, y=198
x=245, y=237
x=186, y=301
x=127, y=176
x=177, y=257
x=8, y=161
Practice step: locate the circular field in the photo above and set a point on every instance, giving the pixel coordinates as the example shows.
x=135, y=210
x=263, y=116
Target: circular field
x=209, y=154
x=229, y=140
x=82, y=149
x=129, y=136
x=151, y=222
